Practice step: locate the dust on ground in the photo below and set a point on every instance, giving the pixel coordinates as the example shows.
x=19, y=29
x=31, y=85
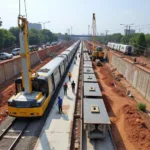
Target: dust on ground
x=130, y=127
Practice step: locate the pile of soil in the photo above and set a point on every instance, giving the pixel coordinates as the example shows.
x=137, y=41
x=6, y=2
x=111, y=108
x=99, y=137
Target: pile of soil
x=135, y=128
x=130, y=127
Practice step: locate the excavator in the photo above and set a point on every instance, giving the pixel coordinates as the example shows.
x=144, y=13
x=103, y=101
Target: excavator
x=97, y=53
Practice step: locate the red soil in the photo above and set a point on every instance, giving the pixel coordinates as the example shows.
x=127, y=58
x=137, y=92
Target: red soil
x=130, y=127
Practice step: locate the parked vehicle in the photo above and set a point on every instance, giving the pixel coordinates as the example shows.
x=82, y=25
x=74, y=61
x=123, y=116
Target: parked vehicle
x=54, y=43
x=16, y=51
x=5, y=56
x=33, y=48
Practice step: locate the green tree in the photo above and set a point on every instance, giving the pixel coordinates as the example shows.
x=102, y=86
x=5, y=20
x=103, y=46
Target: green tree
x=141, y=41
x=147, y=36
x=66, y=37
x=6, y=39
x=15, y=32
x=34, y=37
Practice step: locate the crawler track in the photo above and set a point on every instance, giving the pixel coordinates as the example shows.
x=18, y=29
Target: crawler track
x=12, y=134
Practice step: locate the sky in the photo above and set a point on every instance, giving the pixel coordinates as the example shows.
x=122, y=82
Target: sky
x=63, y=14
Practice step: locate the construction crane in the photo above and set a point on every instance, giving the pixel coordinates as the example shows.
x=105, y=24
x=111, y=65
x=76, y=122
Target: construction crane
x=32, y=97
x=97, y=52
x=25, y=55
x=94, y=27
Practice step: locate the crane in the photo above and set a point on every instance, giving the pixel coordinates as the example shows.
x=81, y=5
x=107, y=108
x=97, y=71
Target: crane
x=25, y=55
x=97, y=50
x=94, y=27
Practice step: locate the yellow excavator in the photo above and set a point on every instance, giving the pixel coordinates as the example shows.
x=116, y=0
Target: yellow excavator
x=97, y=53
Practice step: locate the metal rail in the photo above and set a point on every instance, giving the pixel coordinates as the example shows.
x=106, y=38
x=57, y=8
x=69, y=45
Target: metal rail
x=6, y=132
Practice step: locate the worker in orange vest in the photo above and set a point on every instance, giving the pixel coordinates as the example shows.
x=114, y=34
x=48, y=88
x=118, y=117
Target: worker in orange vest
x=69, y=76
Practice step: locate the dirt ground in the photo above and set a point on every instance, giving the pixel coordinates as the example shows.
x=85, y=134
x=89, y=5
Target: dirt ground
x=9, y=88
x=130, y=127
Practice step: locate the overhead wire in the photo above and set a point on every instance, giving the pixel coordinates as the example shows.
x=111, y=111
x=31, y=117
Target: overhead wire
x=25, y=7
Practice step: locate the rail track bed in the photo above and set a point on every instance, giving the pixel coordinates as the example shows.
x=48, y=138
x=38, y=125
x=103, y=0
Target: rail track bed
x=12, y=134
x=76, y=137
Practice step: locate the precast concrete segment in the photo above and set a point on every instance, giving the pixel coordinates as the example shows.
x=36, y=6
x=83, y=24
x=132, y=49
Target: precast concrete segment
x=57, y=129
x=90, y=78
x=88, y=71
x=97, y=144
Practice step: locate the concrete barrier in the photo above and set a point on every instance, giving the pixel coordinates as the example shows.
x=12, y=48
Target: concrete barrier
x=11, y=68
x=136, y=75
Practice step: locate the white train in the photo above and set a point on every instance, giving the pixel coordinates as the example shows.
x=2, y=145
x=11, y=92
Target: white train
x=126, y=49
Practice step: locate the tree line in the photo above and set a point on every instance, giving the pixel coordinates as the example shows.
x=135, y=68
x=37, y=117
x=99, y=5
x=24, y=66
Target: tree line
x=10, y=38
x=140, y=41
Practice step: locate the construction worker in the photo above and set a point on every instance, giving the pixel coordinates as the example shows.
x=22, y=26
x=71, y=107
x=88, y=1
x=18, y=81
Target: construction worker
x=69, y=76
x=135, y=60
x=65, y=88
x=59, y=105
x=73, y=86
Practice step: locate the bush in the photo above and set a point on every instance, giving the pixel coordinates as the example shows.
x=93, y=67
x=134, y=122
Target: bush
x=141, y=106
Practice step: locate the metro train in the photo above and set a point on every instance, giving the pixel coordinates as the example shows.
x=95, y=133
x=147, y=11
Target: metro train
x=44, y=83
x=126, y=49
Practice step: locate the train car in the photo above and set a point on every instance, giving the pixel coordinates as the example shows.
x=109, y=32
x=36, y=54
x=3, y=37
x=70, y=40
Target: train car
x=126, y=49
x=44, y=83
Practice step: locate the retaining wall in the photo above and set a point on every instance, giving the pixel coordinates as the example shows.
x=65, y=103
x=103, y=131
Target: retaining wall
x=136, y=75
x=12, y=68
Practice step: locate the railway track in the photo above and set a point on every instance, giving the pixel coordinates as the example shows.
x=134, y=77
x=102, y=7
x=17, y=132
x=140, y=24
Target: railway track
x=12, y=134
x=76, y=137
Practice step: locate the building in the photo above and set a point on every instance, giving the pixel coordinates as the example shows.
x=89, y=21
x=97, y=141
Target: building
x=127, y=31
x=37, y=26
x=102, y=34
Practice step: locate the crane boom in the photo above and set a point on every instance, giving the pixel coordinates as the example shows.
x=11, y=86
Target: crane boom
x=25, y=56
x=94, y=27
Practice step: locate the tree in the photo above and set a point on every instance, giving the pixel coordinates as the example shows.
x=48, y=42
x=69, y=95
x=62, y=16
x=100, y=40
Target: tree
x=34, y=37
x=66, y=37
x=15, y=32
x=6, y=39
x=147, y=36
x=141, y=41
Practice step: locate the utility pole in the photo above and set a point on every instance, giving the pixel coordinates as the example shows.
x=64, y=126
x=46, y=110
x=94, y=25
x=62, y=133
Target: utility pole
x=44, y=23
x=88, y=29
x=106, y=32
x=127, y=30
x=71, y=30
x=128, y=26
x=140, y=30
